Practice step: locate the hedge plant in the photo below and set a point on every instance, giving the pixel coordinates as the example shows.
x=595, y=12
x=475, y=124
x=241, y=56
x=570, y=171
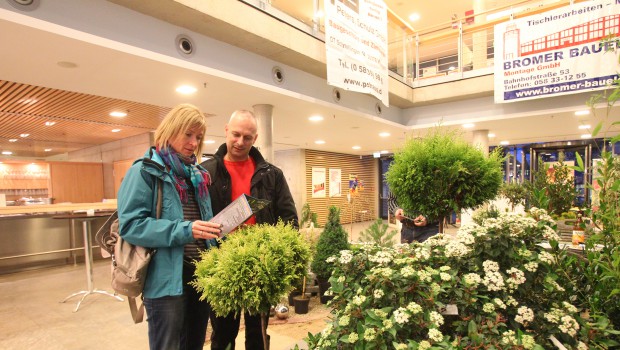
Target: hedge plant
x=441, y=173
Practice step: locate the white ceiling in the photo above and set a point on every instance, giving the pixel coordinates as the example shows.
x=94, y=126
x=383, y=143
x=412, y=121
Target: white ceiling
x=32, y=50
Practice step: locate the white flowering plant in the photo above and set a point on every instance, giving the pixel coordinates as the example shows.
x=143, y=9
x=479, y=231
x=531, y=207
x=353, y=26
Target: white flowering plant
x=507, y=288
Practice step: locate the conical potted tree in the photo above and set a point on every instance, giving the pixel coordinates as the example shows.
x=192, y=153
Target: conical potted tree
x=257, y=264
x=331, y=241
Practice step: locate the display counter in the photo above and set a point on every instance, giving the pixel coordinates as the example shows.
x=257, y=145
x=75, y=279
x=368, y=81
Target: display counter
x=32, y=238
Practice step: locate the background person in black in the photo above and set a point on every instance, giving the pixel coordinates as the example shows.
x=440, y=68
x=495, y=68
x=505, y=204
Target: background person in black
x=414, y=228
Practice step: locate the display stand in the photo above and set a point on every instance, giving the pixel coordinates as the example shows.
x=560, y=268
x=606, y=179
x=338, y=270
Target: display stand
x=88, y=257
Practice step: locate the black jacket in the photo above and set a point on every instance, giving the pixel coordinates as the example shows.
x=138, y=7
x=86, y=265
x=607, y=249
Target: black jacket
x=268, y=182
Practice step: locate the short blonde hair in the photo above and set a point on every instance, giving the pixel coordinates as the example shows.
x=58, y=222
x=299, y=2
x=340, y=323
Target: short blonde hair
x=180, y=119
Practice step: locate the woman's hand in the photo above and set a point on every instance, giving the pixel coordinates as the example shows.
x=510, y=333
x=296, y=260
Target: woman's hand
x=206, y=229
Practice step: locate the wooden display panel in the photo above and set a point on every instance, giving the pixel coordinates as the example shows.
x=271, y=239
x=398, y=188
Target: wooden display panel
x=120, y=169
x=76, y=182
x=364, y=203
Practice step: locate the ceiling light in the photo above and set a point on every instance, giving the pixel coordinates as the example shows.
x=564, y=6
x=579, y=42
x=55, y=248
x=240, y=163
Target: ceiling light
x=315, y=118
x=209, y=141
x=585, y=126
x=49, y=123
x=24, y=135
x=356, y=147
x=384, y=134
x=582, y=112
x=67, y=64
x=186, y=89
x=504, y=143
x=48, y=150
x=586, y=136
x=468, y=125
x=116, y=130
x=28, y=101
x=491, y=135
x=319, y=142
x=569, y=143
x=383, y=152
x=414, y=17
x=118, y=114
x=12, y=140
x=7, y=153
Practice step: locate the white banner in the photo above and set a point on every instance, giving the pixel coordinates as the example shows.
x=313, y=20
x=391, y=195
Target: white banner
x=318, y=182
x=335, y=182
x=558, y=52
x=356, y=46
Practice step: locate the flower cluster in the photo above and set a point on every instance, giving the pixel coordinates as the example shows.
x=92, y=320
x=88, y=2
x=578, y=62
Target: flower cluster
x=496, y=274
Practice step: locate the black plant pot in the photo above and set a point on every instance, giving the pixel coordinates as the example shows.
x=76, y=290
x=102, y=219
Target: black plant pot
x=301, y=303
x=324, y=287
x=291, y=295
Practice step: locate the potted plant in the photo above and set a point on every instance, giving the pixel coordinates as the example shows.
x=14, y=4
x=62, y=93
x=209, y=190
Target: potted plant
x=510, y=292
x=331, y=241
x=378, y=233
x=441, y=173
x=515, y=193
x=257, y=264
x=301, y=301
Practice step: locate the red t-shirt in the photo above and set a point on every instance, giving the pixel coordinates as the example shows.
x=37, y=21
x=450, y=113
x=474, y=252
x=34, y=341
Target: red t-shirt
x=241, y=179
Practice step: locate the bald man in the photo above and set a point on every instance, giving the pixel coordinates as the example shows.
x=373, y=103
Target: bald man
x=236, y=168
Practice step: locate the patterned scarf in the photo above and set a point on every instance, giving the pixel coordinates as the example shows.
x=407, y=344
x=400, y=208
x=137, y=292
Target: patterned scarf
x=183, y=169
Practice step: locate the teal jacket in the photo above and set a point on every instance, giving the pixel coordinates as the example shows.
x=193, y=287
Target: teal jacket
x=137, y=201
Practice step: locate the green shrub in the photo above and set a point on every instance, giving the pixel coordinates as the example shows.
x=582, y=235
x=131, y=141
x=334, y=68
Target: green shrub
x=332, y=240
x=378, y=234
x=253, y=268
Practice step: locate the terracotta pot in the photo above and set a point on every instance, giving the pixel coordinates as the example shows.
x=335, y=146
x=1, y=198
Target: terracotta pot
x=301, y=304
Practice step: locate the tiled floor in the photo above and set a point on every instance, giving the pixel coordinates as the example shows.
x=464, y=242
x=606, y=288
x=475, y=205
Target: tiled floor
x=32, y=316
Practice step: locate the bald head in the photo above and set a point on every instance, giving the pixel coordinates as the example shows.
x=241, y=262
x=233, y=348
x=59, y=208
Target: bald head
x=241, y=134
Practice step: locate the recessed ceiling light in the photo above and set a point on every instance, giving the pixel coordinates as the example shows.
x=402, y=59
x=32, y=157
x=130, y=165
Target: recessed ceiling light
x=116, y=130
x=67, y=64
x=12, y=140
x=384, y=134
x=504, y=143
x=315, y=118
x=383, y=152
x=582, y=112
x=7, y=153
x=491, y=135
x=24, y=135
x=118, y=114
x=414, y=17
x=49, y=123
x=356, y=147
x=28, y=101
x=586, y=136
x=186, y=89
x=319, y=142
x=209, y=141
x=48, y=150
x=468, y=125
x=585, y=126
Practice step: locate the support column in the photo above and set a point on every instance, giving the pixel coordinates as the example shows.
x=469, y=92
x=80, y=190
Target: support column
x=264, y=123
x=481, y=140
x=479, y=38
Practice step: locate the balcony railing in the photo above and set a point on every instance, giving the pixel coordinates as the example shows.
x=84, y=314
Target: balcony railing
x=454, y=50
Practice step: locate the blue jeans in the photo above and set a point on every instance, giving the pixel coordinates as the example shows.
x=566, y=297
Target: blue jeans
x=178, y=322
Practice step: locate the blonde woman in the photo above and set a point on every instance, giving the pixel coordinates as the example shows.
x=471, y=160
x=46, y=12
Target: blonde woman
x=176, y=318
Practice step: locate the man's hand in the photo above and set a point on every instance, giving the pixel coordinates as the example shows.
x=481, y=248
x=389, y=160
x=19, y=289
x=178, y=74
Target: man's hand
x=420, y=221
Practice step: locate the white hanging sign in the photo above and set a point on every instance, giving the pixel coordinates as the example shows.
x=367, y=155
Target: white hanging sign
x=356, y=46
